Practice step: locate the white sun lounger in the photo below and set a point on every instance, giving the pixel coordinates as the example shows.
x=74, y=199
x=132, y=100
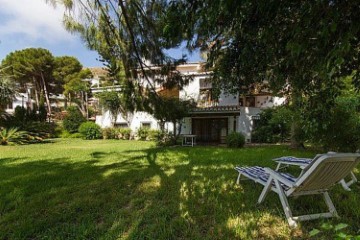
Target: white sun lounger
x=316, y=178
x=303, y=162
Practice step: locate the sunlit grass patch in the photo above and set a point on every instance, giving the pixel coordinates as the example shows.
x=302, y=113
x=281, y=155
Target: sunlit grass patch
x=108, y=189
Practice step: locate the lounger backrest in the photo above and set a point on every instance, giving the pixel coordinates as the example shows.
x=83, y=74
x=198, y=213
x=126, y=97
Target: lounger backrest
x=326, y=171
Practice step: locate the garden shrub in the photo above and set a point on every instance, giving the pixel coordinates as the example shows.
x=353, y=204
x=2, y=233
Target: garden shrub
x=44, y=129
x=42, y=113
x=155, y=135
x=273, y=126
x=143, y=133
x=124, y=133
x=341, y=130
x=73, y=120
x=5, y=119
x=235, y=139
x=28, y=120
x=110, y=133
x=66, y=134
x=165, y=139
x=19, y=115
x=76, y=135
x=90, y=130
x=12, y=136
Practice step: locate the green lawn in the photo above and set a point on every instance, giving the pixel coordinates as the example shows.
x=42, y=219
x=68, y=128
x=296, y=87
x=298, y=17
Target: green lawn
x=76, y=189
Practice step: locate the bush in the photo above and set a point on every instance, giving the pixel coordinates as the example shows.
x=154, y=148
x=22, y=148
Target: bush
x=165, y=139
x=90, y=130
x=66, y=134
x=124, y=133
x=143, y=133
x=110, y=133
x=73, y=120
x=155, y=135
x=19, y=115
x=235, y=139
x=12, y=135
x=339, y=134
x=273, y=126
x=43, y=129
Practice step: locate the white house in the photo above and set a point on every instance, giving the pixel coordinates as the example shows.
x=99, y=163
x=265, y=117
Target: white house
x=22, y=100
x=213, y=119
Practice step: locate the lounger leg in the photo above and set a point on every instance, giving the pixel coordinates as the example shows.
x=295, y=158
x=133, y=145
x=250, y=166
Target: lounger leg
x=265, y=191
x=344, y=185
x=330, y=204
x=238, y=179
x=353, y=177
x=285, y=204
x=278, y=167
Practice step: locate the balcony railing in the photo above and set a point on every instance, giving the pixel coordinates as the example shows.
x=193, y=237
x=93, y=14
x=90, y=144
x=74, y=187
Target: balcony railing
x=206, y=104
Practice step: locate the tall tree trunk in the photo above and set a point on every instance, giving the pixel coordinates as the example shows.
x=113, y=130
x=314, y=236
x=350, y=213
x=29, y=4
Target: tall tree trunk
x=69, y=97
x=46, y=93
x=162, y=125
x=174, y=130
x=82, y=104
x=86, y=106
x=36, y=87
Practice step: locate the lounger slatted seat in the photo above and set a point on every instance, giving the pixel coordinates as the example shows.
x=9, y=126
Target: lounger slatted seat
x=317, y=178
x=258, y=174
x=303, y=162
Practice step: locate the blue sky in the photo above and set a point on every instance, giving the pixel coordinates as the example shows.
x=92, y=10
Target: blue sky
x=33, y=23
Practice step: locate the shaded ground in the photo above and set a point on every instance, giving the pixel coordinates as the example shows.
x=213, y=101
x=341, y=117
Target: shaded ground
x=75, y=189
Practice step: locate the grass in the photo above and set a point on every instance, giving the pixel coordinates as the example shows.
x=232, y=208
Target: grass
x=108, y=189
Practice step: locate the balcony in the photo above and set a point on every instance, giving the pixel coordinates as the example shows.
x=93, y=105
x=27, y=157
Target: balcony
x=207, y=104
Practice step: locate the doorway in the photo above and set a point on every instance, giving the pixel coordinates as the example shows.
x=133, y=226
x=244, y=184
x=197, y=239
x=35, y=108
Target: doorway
x=210, y=130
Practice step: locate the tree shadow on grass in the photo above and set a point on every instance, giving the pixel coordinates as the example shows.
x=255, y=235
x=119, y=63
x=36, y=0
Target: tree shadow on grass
x=199, y=200
x=158, y=193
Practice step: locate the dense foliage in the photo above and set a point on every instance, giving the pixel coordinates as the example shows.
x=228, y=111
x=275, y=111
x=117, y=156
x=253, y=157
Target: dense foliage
x=90, y=130
x=32, y=121
x=340, y=133
x=302, y=50
x=12, y=135
x=38, y=73
x=172, y=110
x=235, y=140
x=32, y=67
x=73, y=119
x=273, y=125
x=7, y=91
x=112, y=101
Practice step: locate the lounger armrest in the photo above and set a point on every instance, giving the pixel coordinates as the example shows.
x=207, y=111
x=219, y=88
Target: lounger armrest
x=279, y=177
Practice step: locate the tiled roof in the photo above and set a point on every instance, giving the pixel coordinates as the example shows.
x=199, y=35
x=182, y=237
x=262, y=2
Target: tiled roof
x=217, y=109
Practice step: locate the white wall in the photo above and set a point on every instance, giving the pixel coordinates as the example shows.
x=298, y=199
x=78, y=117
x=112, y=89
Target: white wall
x=135, y=120
x=21, y=100
x=245, y=121
x=228, y=100
x=268, y=101
x=192, y=91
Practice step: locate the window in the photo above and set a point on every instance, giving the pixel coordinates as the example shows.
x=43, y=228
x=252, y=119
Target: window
x=121, y=125
x=205, y=95
x=146, y=125
x=205, y=83
x=241, y=101
x=250, y=102
x=10, y=106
